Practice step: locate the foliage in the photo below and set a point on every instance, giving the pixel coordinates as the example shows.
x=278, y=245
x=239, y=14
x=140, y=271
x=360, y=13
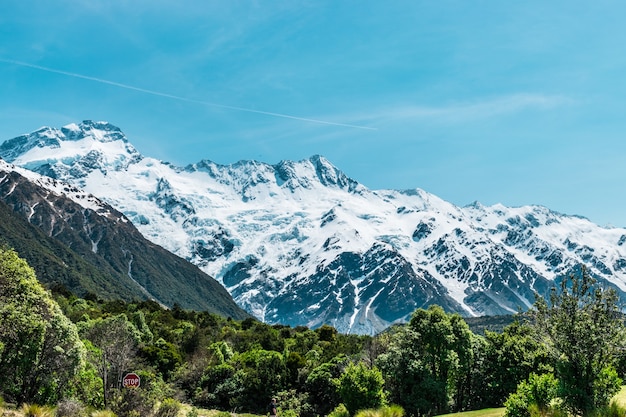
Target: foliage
x=164, y=355
x=583, y=328
x=115, y=341
x=387, y=411
x=35, y=410
x=169, y=408
x=340, y=411
x=41, y=351
x=261, y=374
x=429, y=362
x=611, y=410
x=536, y=393
x=360, y=387
x=294, y=404
x=321, y=387
x=509, y=358
x=70, y=408
x=128, y=402
x=87, y=386
x=432, y=364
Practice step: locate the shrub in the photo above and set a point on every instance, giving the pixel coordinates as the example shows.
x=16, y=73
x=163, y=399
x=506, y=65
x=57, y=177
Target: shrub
x=392, y=411
x=517, y=405
x=367, y=413
x=34, y=410
x=340, y=411
x=387, y=411
x=193, y=412
x=611, y=410
x=533, y=395
x=169, y=408
x=70, y=408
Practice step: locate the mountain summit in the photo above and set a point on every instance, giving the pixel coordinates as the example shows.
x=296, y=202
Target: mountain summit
x=79, y=148
x=301, y=243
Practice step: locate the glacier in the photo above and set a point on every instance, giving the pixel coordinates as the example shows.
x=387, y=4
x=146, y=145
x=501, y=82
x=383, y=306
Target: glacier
x=300, y=243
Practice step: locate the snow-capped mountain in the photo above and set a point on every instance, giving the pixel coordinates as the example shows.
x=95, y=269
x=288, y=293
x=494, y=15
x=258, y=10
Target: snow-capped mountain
x=300, y=243
x=75, y=241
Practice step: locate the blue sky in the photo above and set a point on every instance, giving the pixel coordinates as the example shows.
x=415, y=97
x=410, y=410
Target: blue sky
x=496, y=101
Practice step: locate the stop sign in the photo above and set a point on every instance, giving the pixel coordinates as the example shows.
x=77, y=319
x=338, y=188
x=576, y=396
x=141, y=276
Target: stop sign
x=131, y=380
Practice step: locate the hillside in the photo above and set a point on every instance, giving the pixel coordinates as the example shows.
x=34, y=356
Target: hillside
x=95, y=249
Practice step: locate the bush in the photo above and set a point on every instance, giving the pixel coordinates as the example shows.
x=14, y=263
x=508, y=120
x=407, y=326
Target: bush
x=132, y=403
x=533, y=395
x=612, y=410
x=35, y=410
x=169, y=408
x=517, y=405
x=367, y=413
x=193, y=412
x=388, y=411
x=70, y=408
x=339, y=411
x=392, y=411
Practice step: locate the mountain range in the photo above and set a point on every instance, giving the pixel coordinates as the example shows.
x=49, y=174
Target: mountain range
x=300, y=243
x=76, y=242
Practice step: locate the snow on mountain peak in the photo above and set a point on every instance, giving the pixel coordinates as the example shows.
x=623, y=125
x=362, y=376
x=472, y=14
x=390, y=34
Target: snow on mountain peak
x=253, y=179
x=60, y=188
x=301, y=243
x=72, y=151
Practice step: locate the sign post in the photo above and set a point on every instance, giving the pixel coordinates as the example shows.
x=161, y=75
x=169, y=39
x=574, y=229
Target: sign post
x=131, y=380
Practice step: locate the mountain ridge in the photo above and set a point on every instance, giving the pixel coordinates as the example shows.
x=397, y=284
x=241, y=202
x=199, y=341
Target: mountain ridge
x=62, y=231
x=301, y=243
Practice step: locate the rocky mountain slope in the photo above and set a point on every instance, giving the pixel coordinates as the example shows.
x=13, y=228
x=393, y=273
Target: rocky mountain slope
x=72, y=239
x=301, y=243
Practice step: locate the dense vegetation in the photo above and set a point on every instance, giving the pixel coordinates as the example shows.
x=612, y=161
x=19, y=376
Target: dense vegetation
x=56, y=348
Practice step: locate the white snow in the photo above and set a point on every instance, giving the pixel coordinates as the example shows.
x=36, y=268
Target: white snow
x=279, y=220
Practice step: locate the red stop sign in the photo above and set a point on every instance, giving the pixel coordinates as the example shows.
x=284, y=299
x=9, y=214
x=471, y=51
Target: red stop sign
x=131, y=380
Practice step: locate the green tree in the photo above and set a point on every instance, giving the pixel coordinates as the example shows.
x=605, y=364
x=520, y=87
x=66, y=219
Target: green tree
x=361, y=388
x=115, y=341
x=164, y=356
x=509, y=357
x=40, y=351
x=321, y=387
x=428, y=361
x=219, y=387
x=263, y=374
x=584, y=330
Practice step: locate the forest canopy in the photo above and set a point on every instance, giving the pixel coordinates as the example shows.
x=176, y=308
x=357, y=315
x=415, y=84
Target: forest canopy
x=56, y=347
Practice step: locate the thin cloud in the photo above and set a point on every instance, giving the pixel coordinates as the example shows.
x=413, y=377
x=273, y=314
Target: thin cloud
x=459, y=112
x=179, y=98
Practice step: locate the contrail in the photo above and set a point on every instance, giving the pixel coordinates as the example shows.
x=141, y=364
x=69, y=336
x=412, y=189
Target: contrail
x=174, y=97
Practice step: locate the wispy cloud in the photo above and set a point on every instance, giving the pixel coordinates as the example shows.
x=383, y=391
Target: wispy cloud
x=180, y=98
x=471, y=110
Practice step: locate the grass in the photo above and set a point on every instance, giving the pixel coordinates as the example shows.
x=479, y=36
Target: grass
x=619, y=398
x=487, y=412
